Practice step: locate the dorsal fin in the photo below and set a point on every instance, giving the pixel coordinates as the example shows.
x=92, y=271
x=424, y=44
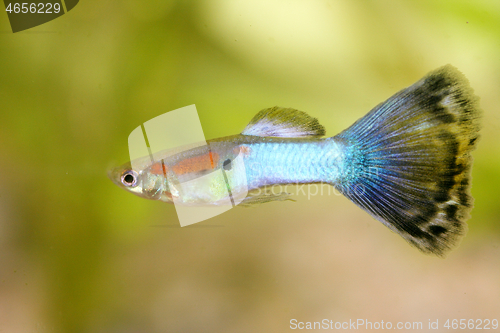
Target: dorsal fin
x=283, y=122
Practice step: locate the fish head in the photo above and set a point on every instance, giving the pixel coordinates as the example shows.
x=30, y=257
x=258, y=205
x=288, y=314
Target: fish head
x=203, y=176
x=142, y=182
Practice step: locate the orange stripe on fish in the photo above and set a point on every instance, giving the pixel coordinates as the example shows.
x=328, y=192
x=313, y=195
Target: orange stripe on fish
x=211, y=159
x=157, y=168
x=164, y=168
x=197, y=163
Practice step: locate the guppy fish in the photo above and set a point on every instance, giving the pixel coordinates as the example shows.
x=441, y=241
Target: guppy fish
x=407, y=162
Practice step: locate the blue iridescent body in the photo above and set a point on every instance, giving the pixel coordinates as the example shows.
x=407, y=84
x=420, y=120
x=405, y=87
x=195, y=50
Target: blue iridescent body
x=272, y=161
x=407, y=162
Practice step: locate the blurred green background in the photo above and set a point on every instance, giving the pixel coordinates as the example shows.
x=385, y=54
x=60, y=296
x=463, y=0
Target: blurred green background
x=78, y=254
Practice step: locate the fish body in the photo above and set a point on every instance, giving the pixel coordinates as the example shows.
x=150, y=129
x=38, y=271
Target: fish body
x=267, y=161
x=277, y=161
x=407, y=162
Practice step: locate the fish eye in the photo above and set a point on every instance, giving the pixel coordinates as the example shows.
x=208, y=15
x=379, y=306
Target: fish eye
x=129, y=178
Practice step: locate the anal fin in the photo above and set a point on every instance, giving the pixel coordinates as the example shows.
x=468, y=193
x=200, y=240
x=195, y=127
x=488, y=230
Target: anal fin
x=263, y=195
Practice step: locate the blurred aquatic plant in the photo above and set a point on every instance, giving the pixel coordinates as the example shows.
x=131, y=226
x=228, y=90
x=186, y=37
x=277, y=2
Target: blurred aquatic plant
x=89, y=260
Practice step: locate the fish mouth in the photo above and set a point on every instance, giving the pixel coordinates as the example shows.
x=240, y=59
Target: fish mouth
x=111, y=174
x=114, y=175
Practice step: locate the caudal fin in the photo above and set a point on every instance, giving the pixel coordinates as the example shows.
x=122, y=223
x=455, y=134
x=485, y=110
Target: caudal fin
x=408, y=161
